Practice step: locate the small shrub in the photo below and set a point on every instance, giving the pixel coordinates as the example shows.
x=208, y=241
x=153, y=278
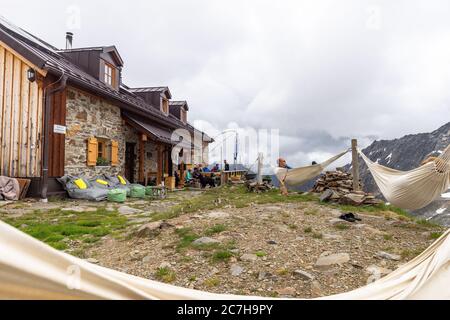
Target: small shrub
x=307, y=230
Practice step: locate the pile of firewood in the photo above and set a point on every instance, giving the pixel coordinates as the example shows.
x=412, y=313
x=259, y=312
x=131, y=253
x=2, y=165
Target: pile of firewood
x=254, y=186
x=337, y=186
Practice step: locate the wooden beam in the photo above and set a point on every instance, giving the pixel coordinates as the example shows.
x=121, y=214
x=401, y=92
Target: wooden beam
x=355, y=165
x=141, y=160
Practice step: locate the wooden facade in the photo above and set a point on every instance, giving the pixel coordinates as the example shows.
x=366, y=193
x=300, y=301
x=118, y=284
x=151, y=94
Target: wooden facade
x=21, y=116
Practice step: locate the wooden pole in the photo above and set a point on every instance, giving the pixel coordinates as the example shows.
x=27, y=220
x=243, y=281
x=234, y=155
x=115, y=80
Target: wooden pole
x=260, y=165
x=355, y=165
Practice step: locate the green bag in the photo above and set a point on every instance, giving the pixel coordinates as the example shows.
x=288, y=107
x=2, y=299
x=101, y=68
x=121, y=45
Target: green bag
x=149, y=191
x=117, y=195
x=137, y=192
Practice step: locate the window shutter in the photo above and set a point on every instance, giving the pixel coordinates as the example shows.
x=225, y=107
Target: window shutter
x=92, y=154
x=114, y=153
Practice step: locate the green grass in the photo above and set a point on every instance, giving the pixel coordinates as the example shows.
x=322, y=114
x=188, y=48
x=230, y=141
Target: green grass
x=387, y=237
x=218, y=228
x=236, y=196
x=165, y=274
x=307, y=230
x=56, y=227
x=222, y=255
x=260, y=254
x=317, y=235
x=435, y=235
x=187, y=236
x=212, y=282
x=341, y=226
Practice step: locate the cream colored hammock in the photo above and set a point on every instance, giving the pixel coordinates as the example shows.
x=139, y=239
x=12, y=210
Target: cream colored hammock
x=298, y=176
x=30, y=269
x=413, y=189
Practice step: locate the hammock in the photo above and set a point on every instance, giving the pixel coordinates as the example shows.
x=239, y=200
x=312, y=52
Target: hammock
x=30, y=269
x=301, y=175
x=413, y=189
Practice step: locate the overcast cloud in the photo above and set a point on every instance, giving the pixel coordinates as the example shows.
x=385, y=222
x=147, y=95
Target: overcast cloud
x=320, y=71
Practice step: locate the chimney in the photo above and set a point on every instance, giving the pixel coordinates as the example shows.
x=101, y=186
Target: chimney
x=69, y=39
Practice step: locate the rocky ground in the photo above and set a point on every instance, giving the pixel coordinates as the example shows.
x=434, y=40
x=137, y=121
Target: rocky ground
x=295, y=248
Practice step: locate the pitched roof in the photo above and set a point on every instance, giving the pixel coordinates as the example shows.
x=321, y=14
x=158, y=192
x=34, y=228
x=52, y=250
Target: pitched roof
x=179, y=104
x=104, y=49
x=152, y=89
x=48, y=57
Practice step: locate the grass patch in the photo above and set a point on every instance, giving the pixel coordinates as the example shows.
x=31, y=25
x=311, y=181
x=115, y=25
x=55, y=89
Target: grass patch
x=187, y=236
x=236, y=196
x=165, y=274
x=282, y=272
x=435, y=235
x=307, y=230
x=317, y=235
x=311, y=212
x=218, y=228
x=387, y=237
x=222, y=255
x=212, y=282
x=260, y=254
x=55, y=227
x=341, y=226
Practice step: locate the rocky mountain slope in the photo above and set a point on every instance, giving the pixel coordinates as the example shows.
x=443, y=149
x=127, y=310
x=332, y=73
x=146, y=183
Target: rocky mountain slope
x=407, y=153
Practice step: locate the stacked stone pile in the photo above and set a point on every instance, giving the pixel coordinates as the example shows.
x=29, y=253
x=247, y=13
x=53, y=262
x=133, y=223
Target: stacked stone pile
x=337, y=186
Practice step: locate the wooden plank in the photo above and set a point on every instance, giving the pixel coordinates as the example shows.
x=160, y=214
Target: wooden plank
x=40, y=136
x=33, y=137
x=2, y=86
x=25, y=130
x=6, y=130
x=16, y=117
x=355, y=165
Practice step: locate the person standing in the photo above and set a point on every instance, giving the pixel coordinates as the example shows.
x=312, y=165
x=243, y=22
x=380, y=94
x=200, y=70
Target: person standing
x=227, y=165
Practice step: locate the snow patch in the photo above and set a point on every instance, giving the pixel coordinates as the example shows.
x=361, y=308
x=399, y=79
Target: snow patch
x=388, y=158
x=446, y=195
x=441, y=210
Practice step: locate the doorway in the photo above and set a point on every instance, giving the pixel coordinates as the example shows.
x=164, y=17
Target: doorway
x=130, y=159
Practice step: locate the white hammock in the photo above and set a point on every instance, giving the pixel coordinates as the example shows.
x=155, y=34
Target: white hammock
x=413, y=189
x=30, y=269
x=298, y=176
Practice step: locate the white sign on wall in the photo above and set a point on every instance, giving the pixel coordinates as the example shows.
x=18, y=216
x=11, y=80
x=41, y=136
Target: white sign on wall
x=59, y=129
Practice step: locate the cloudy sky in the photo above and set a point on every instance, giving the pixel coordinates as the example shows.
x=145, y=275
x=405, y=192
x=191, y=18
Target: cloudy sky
x=319, y=71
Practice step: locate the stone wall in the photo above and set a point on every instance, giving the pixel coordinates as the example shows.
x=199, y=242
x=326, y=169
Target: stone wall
x=89, y=116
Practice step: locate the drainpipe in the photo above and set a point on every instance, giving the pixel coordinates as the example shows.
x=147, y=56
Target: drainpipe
x=47, y=112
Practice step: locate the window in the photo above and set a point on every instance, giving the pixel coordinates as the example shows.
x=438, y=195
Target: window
x=183, y=115
x=109, y=75
x=165, y=106
x=103, y=154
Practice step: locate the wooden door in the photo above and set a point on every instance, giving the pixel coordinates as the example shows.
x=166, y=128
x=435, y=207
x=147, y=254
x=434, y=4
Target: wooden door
x=130, y=159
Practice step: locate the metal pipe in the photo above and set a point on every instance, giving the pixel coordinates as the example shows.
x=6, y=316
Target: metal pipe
x=47, y=112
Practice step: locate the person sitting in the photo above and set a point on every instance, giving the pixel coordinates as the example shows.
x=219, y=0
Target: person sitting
x=282, y=164
x=226, y=165
x=215, y=168
x=206, y=169
x=188, y=176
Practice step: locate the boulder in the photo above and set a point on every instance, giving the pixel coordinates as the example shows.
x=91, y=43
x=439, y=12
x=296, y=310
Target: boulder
x=352, y=199
x=236, y=270
x=303, y=275
x=327, y=260
x=388, y=256
x=249, y=257
x=205, y=241
x=152, y=229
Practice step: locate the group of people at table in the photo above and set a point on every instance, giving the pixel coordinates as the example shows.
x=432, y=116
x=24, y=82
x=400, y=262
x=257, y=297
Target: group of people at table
x=204, y=175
